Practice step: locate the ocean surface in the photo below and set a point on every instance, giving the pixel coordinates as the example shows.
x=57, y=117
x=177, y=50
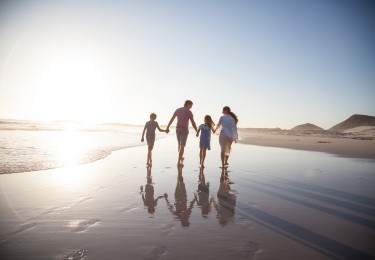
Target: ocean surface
x=31, y=146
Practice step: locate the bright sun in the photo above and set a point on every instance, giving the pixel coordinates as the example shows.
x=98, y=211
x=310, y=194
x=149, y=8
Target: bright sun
x=69, y=75
x=58, y=78
x=71, y=84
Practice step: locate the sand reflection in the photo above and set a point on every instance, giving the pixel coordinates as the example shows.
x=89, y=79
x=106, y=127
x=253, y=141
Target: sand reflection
x=180, y=209
x=147, y=193
x=203, y=195
x=226, y=200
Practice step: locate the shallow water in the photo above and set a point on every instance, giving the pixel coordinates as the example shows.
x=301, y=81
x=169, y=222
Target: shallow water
x=30, y=146
x=272, y=203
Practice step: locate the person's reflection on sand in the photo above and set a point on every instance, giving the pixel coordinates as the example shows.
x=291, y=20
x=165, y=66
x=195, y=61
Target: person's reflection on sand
x=203, y=193
x=148, y=193
x=180, y=208
x=226, y=204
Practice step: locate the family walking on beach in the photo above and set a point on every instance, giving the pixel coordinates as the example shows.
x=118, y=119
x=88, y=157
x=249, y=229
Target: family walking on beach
x=228, y=134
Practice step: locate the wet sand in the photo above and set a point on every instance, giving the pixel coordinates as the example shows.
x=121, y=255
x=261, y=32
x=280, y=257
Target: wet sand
x=346, y=147
x=272, y=203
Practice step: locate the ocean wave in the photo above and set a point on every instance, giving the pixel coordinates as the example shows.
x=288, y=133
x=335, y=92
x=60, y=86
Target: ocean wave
x=33, y=150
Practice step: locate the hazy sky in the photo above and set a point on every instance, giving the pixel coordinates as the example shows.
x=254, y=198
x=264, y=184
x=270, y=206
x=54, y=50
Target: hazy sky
x=275, y=63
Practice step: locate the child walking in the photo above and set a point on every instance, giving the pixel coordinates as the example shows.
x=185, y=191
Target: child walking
x=149, y=129
x=205, y=139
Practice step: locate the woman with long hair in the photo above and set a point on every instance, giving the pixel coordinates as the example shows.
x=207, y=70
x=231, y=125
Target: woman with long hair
x=228, y=122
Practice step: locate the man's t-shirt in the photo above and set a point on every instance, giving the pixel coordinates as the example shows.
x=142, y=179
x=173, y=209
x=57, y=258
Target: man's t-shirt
x=183, y=116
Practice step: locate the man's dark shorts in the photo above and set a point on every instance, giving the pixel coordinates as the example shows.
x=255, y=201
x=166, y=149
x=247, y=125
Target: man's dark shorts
x=182, y=135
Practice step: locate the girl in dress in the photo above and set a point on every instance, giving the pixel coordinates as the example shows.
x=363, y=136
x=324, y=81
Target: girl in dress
x=205, y=139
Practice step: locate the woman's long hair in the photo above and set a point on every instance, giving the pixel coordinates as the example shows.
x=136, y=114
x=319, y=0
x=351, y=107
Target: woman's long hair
x=227, y=109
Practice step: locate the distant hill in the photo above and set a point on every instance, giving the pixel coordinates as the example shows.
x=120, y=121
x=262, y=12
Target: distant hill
x=306, y=127
x=354, y=121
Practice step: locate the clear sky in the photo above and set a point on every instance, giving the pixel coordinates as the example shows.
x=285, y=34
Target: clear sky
x=275, y=63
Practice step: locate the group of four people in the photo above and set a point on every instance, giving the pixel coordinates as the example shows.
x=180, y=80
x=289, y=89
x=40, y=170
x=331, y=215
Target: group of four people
x=228, y=134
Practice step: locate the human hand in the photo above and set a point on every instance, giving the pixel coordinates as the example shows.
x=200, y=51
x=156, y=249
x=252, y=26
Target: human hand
x=197, y=134
x=142, y=139
x=167, y=130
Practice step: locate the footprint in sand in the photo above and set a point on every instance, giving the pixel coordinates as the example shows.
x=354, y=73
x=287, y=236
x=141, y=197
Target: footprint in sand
x=168, y=229
x=157, y=252
x=101, y=188
x=130, y=208
x=241, y=249
x=77, y=255
x=84, y=199
x=81, y=225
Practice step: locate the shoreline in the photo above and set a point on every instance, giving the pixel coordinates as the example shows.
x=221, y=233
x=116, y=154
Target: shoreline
x=120, y=208
x=344, y=147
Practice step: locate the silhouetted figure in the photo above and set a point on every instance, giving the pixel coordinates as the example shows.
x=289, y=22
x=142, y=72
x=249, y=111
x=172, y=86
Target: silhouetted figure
x=203, y=194
x=228, y=134
x=184, y=115
x=226, y=205
x=149, y=129
x=205, y=139
x=148, y=193
x=180, y=208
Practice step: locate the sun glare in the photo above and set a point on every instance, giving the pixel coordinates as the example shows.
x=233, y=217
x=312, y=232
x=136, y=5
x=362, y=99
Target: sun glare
x=70, y=150
x=71, y=147
x=71, y=86
x=69, y=74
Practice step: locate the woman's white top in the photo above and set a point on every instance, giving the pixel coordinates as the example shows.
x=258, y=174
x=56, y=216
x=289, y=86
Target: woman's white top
x=228, y=127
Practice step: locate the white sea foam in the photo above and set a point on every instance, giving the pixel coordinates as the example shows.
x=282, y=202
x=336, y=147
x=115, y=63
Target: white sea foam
x=31, y=146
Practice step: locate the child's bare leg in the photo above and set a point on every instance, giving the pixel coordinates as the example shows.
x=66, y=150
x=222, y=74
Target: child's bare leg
x=149, y=157
x=200, y=156
x=203, y=157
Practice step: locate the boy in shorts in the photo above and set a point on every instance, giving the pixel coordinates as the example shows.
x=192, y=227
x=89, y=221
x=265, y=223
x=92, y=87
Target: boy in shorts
x=149, y=129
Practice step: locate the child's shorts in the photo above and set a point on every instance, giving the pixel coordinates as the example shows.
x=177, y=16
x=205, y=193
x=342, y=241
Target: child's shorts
x=150, y=141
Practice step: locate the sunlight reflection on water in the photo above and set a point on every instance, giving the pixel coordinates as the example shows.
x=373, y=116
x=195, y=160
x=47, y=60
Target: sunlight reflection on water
x=31, y=150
